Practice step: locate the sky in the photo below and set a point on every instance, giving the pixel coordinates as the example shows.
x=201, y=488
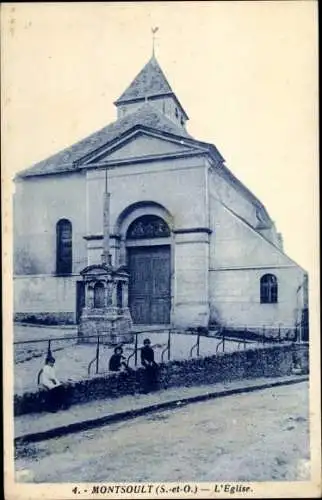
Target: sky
x=245, y=72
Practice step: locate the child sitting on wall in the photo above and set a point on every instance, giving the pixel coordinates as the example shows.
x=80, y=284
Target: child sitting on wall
x=57, y=394
x=117, y=360
x=151, y=367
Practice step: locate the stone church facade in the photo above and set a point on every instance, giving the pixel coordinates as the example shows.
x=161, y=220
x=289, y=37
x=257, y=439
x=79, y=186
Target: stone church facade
x=199, y=247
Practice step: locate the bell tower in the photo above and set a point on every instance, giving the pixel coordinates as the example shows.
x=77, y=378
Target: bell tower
x=151, y=86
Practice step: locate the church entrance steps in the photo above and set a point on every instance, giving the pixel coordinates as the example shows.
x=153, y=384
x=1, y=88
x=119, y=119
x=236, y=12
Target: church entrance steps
x=94, y=414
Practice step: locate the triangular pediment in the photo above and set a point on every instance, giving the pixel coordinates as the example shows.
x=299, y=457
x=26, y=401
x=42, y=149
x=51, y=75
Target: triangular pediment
x=140, y=144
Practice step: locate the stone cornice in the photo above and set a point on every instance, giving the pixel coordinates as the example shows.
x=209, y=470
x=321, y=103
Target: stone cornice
x=125, y=138
x=144, y=159
x=207, y=230
x=193, y=230
x=152, y=98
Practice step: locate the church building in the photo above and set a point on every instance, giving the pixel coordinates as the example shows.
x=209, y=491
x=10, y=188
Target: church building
x=200, y=249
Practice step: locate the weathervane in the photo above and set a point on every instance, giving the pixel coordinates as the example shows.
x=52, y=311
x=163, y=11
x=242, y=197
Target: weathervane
x=154, y=30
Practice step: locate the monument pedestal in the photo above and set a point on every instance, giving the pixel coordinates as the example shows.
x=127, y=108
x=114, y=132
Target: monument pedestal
x=106, y=313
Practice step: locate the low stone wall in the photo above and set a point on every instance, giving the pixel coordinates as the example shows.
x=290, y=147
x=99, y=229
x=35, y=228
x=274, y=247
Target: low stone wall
x=269, y=334
x=46, y=318
x=272, y=361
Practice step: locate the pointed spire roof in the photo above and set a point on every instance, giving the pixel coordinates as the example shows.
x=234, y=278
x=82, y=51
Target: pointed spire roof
x=150, y=82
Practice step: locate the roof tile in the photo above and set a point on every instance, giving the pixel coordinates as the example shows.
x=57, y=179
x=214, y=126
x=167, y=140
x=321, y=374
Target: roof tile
x=150, y=81
x=147, y=115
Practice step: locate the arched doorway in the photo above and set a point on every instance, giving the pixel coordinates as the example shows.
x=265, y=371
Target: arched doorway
x=149, y=262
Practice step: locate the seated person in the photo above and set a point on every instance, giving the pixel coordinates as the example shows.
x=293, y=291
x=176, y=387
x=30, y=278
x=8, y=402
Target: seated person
x=147, y=354
x=116, y=362
x=57, y=395
x=147, y=360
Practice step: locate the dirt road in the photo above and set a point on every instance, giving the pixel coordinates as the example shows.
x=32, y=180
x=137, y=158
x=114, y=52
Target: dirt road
x=248, y=437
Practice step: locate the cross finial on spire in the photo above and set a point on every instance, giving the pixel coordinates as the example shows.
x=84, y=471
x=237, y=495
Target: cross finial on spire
x=154, y=30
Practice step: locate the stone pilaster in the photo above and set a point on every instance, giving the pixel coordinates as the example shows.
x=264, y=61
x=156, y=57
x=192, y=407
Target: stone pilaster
x=125, y=293
x=191, y=295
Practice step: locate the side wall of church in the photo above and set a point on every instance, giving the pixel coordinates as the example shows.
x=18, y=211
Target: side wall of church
x=237, y=201
x=222, y=190
x=45, y=298
x=40, y=202
x=239, y=257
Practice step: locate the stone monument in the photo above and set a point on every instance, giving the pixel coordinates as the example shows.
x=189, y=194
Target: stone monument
x=106, y=312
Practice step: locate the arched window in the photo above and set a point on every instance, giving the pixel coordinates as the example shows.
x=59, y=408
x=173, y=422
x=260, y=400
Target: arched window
x=99, y=293
x=148, y=226
x=268, y=289
x=64, y=250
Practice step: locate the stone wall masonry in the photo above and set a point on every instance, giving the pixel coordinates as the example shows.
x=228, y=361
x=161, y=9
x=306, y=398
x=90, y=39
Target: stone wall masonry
x=40, y=202
x=45, y=299
x=46, y=318
x=272, y=361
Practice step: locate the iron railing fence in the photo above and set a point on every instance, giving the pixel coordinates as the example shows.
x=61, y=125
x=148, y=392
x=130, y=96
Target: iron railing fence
x=242, y=337
x=24, y=350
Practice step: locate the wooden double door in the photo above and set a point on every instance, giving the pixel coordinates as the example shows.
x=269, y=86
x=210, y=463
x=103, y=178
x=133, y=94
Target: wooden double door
x=150, y=284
